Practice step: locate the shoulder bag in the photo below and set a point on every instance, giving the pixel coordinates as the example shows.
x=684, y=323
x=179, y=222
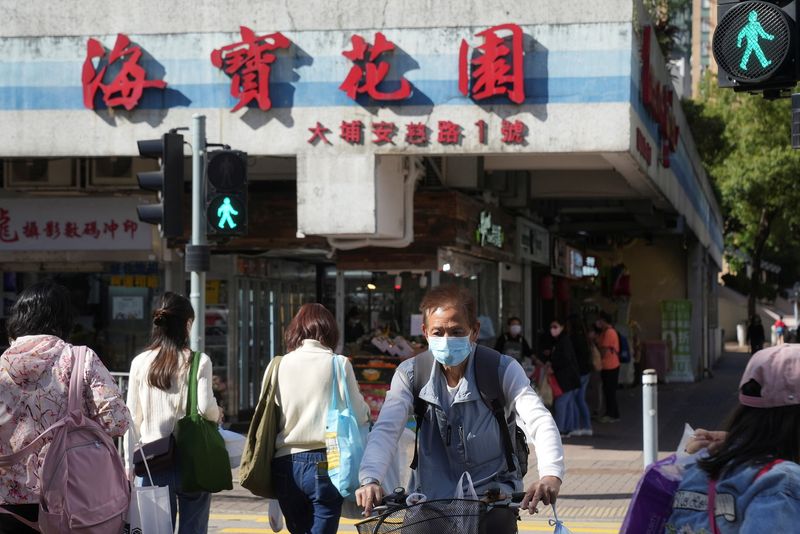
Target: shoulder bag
x=202, y=455
x=255, y=469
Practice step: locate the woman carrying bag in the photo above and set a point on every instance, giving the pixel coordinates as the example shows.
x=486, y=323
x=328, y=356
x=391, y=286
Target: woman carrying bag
x=157, y=398
x=308, y=498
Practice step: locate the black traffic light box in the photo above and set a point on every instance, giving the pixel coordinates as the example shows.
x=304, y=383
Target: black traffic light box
x=226, y=193
x=756, y=46
x=168, y=181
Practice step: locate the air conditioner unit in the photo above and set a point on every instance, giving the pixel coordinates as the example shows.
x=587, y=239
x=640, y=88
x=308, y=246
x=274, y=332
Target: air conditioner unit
x=118, y=171
x=40, y=173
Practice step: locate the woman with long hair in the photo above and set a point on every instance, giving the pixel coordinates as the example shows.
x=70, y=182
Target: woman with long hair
x=35, y=373
x=307, y=497
x=751, y=480
x=157, y=399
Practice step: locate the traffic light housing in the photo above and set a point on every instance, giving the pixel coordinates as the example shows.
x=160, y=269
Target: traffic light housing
x=168, y=181
x=226, y=193
x=756, y=46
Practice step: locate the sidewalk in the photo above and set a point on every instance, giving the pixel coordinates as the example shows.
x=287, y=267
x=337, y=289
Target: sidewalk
x=602, y=470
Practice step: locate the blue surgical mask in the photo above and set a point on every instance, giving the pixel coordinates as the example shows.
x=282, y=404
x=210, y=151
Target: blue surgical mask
x=450, y=351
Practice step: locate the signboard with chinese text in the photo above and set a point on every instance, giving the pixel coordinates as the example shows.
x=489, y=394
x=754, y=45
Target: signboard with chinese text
x=533, y=242
x=59, y=224
x=676, y=328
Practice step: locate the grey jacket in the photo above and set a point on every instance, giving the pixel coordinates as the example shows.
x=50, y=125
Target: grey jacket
x=463, y=436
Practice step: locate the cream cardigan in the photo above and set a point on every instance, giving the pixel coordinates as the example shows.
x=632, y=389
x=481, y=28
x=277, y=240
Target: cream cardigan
x=304, y=394
x=154, y=411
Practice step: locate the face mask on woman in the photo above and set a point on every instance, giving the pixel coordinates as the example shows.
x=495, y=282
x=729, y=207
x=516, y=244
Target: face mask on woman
x=450, y=351
x=515, y=329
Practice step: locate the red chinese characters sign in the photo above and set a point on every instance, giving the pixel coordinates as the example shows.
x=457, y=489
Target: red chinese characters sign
x=130, y=81
x=417, y=133
x=72, y=224
x=249, y=64
x=498, y=68
x=369, y=71
x=658, y=99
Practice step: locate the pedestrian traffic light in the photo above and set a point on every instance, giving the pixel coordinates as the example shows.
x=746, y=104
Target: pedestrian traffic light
x=756, y=46
x=226, y=193
x=168, y=181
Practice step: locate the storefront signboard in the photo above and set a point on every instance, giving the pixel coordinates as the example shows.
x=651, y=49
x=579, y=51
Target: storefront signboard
x=533, y=242
x=489, y=233
x=676, y=324
x=658, y=100
x=58, y=224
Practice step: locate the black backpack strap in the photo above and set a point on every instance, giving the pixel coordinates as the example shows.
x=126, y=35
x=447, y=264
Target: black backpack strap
x=487, y=376
x=423, y=364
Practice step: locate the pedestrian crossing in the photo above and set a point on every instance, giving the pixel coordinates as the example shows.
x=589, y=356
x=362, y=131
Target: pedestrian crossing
x=258, y=524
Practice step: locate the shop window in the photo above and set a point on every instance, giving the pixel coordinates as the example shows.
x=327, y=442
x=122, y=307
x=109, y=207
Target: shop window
x=40, y=173
x=118, y=172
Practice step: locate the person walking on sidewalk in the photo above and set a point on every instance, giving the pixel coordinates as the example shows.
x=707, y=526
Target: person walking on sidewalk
x=608, y=343
x=565, y=368
x=157, y=395
x=308, y=499
x=751, y=480
x=35, y=373
x=458, y=432
x=583, y=355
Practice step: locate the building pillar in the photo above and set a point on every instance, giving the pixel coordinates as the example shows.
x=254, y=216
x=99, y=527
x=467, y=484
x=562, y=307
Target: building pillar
x=697, y=293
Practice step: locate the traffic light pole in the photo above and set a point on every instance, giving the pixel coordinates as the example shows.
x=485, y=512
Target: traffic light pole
x=197, y=253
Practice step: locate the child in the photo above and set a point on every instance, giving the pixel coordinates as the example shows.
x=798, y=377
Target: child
x=751, y=480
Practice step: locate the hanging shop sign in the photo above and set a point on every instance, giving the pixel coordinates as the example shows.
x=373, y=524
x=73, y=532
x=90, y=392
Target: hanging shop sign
x=533, y=242
x=489, y=233
x=567, y=260
x=48, y=224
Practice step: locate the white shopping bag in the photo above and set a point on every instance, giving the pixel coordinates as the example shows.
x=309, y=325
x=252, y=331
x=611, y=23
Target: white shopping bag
x=149, y=512
x=469, y=493
x=275, y=516
x=234, y=443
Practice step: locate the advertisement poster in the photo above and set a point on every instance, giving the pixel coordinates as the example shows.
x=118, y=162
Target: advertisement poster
x=676, y=326
x=127, y=308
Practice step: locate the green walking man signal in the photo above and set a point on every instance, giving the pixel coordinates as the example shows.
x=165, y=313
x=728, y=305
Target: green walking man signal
x=224, y=213
x=226, y=193
x=752, y=32
x=757, y=46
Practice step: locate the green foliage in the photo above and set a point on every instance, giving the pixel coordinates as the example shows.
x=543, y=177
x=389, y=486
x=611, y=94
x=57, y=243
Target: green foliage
x=745, y=144
x=671, y=19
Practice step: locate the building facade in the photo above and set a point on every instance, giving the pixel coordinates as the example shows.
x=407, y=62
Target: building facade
x=538, y=156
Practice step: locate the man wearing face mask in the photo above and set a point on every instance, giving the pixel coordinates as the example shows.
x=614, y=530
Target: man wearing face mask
x=459, y=432
x=513, y=343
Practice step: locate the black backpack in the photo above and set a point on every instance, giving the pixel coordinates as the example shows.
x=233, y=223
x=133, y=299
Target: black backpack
x=487, y=363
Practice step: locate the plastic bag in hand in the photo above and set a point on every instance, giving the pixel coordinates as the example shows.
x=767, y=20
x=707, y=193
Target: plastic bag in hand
x=558, y=524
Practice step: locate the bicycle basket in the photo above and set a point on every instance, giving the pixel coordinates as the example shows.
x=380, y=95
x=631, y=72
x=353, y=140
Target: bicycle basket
x=445, y=516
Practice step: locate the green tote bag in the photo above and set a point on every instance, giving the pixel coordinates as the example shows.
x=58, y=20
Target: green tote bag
x=203, y=459
x=255, y=470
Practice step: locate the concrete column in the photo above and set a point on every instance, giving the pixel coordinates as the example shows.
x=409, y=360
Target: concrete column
x=696, y=293
x=527, y=303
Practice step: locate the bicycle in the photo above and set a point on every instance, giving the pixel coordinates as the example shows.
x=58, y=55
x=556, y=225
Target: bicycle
x=440, y=516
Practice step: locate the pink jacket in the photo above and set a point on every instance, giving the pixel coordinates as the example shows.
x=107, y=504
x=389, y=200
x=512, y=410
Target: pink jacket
x=34, y=380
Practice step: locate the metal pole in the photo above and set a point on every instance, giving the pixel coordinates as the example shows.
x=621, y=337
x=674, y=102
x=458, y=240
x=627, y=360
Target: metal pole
x=650, y=415
x=199, y=241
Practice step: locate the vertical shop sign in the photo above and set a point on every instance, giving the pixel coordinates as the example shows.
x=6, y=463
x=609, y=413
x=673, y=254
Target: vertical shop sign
x=248, y=63
x=676, y=327
x=130, y=81
x=489, y=233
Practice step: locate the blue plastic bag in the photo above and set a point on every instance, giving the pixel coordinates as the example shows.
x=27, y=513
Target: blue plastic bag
x=558, y=524
x=344, y=439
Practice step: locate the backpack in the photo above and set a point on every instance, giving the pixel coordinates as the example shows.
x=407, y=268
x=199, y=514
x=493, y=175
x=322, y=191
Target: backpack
x=624, y=349
x=84, y=489
x=487, y=363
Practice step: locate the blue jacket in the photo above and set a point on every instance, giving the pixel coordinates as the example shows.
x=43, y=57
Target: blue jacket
x=768, y=504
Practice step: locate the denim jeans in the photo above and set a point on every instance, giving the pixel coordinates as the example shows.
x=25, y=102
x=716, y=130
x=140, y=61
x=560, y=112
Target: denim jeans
x=193, y=507
x=565, y=411
x=584, y=417
x=310, y=502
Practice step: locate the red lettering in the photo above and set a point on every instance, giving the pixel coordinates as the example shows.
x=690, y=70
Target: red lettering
x=318, y=133
x=367, y=72
x=352, y=132
x=491, y=74
x=383, y=132
x=449, y=133
x=482, y=126
x=513, y=132
x=416, y=133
